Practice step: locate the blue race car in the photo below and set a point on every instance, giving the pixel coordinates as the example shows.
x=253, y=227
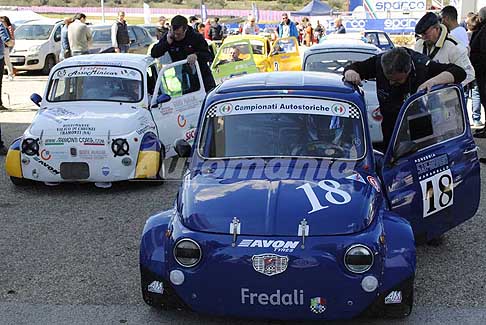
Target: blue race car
x=287, y=212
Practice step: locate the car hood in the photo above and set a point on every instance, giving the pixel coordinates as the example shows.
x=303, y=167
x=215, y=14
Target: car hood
x=277, y=207
x=104, y=119
x=25, y=45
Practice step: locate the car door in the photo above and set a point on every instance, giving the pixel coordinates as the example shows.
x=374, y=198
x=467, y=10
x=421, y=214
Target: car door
x=284, y=55
x=175, y=109
x=431, y=168
x=141, y=40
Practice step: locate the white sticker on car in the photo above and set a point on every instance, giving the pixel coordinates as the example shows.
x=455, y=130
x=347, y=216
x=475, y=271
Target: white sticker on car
x=394, y=297
x=437, y=192
x=333, y=194
x=156, y=287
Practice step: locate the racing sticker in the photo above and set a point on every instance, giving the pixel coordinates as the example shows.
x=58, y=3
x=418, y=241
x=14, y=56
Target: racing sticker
x=45, y=154
x=436, y=183
x=156, y=287
x=318, y=305
x=374, y=183
x=47, y=166
x=355, y=176
x=58, y=114
x=333, y=194
x=97, y=71
x=284, y=105
x=75, y=129
x=394, y=297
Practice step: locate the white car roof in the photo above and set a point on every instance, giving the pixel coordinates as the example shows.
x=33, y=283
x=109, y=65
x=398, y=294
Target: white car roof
x=344, y=44
x=138, y=61
x=44, y=22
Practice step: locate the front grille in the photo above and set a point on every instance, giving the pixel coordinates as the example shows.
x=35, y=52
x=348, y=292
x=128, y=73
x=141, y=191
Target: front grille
x=74, y=170
x=17, y=60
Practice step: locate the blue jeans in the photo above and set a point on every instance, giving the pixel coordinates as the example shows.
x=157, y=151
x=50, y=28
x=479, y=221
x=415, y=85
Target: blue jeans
x=124, y=48
x=476, y=103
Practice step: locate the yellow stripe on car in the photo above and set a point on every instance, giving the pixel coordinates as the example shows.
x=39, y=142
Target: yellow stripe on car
x=148, y=164
x=13, y=164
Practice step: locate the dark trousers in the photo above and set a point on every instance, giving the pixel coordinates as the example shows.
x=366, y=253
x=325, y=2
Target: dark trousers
x=2, y=64
x=387, y=126
x=482, y=92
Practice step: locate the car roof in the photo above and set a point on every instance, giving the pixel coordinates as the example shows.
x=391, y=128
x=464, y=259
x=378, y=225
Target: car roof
x=348, y=44
x=285, y=80
x=245, y=36
x=139, y=61
x=43, y=22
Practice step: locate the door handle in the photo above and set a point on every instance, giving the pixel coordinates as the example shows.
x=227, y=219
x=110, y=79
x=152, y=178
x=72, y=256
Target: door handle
x=475, y=149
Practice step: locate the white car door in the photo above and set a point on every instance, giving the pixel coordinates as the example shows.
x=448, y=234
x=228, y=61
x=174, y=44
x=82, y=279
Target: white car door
x=175, y=109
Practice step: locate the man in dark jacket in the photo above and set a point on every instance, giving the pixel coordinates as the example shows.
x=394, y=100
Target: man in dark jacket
x=399, y=73
x=216, y=30
x=478, y=57
x=119, y=34
x=183, y=43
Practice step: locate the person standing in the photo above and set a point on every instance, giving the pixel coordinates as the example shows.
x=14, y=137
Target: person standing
x=216, y=30
x=250, y=28
x=182, y=42
x=193, y=21
x=339, y=27
x=449, y=19
x=4, y=39
x=65, y=49
x=478, y=57
x=161, y=27
x=207, y=28
x=119, y=34
x=8, y=47
x=436, y=43
x=309, y=31
x=472, y=23
x=79, y=35
x=399, y=73
x=287, y=28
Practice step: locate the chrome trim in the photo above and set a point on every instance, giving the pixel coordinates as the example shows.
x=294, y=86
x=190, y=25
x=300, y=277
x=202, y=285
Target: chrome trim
x=365, y=247
x=475, y=149
x=195, y=243
x=200, y=130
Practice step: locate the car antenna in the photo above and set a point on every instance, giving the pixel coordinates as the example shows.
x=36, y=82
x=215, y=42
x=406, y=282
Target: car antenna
x=235, y=229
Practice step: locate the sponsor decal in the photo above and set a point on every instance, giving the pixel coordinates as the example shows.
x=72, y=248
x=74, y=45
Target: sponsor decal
x=105, y=170
x=226, y=108
x=45, y=154
x=394, y=297
x=374, y=183
x=318, y=305
x=355, y=176
x=61, y=73
x=156, y=287
x=294, y=298
x=270, y=264
x=181, y=121
x=46, y=165
x=338, y=109
x=90, y=154
x=333, y=194
x=437, y=191
x=75, y=129
x=400, y=5
x=93, y=70
x=144, y=129
x=58, y=114
x=277, y=245
x=190, y=134
x=376, y=115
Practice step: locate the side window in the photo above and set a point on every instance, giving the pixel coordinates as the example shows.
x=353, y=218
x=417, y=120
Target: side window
x=131, y=34
x=383, y=39
x=372, y=39
x=432, y=118
x=180, y=80
x=139, y=34
x=57, y=34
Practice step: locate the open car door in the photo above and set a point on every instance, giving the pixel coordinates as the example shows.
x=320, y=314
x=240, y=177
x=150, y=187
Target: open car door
x=225, y=67
x=431, y=167
x=175, y=107
x=284, y=55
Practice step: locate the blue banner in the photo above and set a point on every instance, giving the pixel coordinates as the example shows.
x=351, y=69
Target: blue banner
x=391, y=25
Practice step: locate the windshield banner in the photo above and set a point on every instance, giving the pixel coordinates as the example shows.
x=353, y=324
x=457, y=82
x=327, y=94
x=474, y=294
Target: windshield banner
x=282, y=105
x=95, y=71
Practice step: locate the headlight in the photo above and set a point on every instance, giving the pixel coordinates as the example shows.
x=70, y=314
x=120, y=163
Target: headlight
x=35, y=48
x=187, y=252
x=30, y=147
x=358, y=259
x=120, y=147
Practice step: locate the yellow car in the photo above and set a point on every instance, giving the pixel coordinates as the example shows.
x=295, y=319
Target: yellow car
x=283, y=55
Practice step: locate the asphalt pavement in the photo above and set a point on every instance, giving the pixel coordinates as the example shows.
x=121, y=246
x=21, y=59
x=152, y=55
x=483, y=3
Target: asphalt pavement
x=69, y=254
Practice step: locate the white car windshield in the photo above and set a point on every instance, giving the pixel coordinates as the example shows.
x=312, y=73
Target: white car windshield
x=33, y=32
x=283, y=127
x=96, y=83
x=334, y=61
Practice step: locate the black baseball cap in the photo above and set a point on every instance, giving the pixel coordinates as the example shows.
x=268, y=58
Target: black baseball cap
x=428, y=20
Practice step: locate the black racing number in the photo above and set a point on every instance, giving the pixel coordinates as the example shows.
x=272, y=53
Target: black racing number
x=445, y=182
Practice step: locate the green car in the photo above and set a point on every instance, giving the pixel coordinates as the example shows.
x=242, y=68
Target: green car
x=233, y=59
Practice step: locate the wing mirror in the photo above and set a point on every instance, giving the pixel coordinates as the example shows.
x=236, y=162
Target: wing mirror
x=164, y=98
x=183, y=148
x=36, y=98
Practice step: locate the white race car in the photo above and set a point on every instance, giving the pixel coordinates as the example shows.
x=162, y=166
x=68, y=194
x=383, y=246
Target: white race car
x=102, y=121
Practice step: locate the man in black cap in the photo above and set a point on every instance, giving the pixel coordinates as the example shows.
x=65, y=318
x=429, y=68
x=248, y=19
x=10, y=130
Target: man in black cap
x=478, y=59
x=399, y=73
x=183, y=43
x=436, y=43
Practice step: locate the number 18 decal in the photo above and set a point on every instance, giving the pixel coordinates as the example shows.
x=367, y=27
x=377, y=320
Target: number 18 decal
x=437, y=192
x=334, y=195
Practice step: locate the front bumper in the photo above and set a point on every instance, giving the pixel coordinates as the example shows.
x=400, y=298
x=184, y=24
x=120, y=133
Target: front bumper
x=26, y=61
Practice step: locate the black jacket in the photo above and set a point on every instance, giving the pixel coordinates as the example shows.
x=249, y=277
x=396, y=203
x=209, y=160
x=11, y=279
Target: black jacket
x=478, y=51
x=391, y=98
x=216, y=32
x=193, y=43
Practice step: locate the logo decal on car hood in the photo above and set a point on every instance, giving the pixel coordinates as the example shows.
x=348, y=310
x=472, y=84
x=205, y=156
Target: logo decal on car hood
x=270, y=264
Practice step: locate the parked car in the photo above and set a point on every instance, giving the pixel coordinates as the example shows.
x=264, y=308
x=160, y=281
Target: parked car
x=140, y=39
x=37, y=45
x=378, y=38
x=94, y=123
x=286, y=211
x=153, y=31
x=333, y=56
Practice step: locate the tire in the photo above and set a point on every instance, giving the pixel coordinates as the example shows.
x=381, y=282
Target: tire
x=20, y=181
x=49, y=64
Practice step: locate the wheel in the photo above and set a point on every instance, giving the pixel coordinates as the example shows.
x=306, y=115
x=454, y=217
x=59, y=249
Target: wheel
x=17, y=181
x=49, y=64
x=403, y=309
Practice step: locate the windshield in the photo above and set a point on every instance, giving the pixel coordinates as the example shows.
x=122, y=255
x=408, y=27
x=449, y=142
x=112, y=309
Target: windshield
x=283, y=127
x=33, y=32
x=103, y=83
x=334, y=62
